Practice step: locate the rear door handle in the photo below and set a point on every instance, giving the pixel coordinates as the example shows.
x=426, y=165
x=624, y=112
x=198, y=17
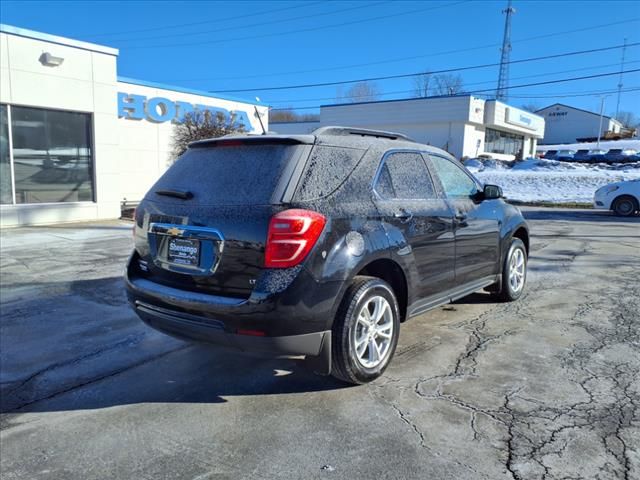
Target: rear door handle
x=461, y=217
x=403, y=215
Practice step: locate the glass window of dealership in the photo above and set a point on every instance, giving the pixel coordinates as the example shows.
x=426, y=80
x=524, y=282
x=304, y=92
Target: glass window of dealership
x=45, y=156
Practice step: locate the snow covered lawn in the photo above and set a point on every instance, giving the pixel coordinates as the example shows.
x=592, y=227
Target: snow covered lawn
x=534, y=180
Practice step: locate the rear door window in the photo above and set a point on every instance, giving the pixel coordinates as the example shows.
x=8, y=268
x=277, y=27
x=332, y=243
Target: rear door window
x=404, y=176
x=228, y=175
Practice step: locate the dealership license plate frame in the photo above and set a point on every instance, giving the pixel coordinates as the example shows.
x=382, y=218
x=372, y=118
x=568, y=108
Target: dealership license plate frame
x=181, y=254
x=211, y=247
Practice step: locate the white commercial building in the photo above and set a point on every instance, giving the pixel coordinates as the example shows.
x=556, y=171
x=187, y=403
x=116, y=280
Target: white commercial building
x=567, y=124
x=76, y=140
x=465, y=126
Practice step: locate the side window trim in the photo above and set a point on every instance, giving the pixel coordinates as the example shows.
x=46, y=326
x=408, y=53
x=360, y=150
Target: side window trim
x=376, y=177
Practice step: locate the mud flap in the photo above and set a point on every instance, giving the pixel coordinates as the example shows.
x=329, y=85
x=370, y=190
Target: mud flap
x=321, y=364
x=495, y=287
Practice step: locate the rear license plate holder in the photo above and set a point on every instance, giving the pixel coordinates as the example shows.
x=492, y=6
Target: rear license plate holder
x=183, y=251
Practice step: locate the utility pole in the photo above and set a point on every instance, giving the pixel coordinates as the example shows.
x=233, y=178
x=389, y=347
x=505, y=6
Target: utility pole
x=502, y=93
x=624, y=49
x=601, y=114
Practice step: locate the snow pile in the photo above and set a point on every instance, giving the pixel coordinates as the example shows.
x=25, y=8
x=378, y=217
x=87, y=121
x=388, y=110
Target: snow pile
x=604, y=145
x=540, y=180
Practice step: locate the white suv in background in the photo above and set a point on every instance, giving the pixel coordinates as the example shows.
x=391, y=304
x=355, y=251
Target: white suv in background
x=621, y=197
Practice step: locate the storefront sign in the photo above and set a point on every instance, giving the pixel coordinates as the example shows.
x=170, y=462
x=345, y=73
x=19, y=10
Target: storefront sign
x=160, y=110
x=516, y=117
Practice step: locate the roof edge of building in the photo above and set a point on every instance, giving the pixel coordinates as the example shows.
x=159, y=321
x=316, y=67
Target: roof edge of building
x=46, y=37
x=202, y=93
x=579, y=109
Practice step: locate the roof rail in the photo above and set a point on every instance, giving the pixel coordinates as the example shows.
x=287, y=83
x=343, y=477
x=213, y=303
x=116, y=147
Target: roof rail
x=365, y=132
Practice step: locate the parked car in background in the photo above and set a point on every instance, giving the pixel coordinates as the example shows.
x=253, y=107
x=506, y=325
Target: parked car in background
x=623, y=198
x=597, y=155
x=318, y=245
x=550, y=154
x=619, y=155
x=565, y=155
x=582, y=155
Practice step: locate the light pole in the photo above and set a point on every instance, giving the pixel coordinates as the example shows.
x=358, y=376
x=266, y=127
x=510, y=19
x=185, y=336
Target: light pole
x=601, y=114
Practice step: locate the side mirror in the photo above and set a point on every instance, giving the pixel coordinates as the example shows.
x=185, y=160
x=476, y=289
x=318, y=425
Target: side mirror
x=491, y=192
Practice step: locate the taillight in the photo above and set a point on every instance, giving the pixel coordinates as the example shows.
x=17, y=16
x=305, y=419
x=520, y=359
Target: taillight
x=292, y=235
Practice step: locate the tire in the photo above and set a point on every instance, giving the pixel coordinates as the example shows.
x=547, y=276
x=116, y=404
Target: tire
x=508, y=292
x=352, y=325
x=625, y=206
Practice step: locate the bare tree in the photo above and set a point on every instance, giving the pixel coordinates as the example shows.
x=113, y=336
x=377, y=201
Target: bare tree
x=530, y=107
x=421, y=84
x=289, y=115
x=201, y=125
x=360, y=92
x=447, y=84
x=628, y=119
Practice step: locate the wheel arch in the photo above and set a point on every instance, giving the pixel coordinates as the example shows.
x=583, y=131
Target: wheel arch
x=391, y=272
x=523, y=234
x=612, y=206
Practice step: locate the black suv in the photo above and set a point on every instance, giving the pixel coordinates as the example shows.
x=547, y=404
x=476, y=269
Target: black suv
x=318, y=245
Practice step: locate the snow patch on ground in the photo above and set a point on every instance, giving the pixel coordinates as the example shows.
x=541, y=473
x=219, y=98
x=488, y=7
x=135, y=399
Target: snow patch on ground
x=539, y=180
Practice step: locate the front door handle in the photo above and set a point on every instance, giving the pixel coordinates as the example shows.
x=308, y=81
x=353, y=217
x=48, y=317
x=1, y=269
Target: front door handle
x=460, y=216
x=403, y=215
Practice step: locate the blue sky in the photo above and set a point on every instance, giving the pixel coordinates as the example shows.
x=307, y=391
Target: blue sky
x=220, y=46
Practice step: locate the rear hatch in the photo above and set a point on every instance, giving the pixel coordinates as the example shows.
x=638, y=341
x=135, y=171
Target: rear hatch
x=203, y=225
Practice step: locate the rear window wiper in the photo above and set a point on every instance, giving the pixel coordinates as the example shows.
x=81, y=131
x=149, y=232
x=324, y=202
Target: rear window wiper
x=175, y=193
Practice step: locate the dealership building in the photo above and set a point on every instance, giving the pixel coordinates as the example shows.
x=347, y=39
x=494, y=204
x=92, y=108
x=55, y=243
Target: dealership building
x=463, y=125
x=76, y=139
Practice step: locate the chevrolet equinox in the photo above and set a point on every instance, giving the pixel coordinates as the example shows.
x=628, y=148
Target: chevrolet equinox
x=318, y=245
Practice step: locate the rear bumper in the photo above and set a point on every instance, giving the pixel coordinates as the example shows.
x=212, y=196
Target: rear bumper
x=191, y=327
x=295, y=320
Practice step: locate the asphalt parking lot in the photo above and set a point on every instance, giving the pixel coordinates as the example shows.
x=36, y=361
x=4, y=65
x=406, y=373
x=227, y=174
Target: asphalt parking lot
x=547, y=387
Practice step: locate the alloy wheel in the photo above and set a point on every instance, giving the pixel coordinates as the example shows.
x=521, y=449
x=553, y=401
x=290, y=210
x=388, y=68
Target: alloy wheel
x=373, y=332
x=517, y=267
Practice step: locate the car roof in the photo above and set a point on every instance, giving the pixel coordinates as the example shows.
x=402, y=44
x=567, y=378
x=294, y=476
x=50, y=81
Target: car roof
x=349, y=137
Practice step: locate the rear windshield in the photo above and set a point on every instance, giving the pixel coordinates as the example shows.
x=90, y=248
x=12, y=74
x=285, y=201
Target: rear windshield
x=227, y=175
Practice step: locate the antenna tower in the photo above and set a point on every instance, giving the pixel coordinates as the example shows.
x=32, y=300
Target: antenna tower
x=502, y=93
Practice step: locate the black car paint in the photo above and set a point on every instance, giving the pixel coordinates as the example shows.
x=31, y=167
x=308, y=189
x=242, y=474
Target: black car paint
x=444, y=244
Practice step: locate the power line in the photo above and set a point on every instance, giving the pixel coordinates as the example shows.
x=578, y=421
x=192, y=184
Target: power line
x=303, y=30
x=395, y=92
x=404, y=59
x=475, y=92
x=258, y=24
x=584, y=94
x=413, y=74
x=218, y=20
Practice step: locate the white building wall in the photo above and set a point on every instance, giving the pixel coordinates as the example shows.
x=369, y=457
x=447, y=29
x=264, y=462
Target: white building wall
x=399, y=112
x=293, y=128
x=85, y=82
x=566, y=124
